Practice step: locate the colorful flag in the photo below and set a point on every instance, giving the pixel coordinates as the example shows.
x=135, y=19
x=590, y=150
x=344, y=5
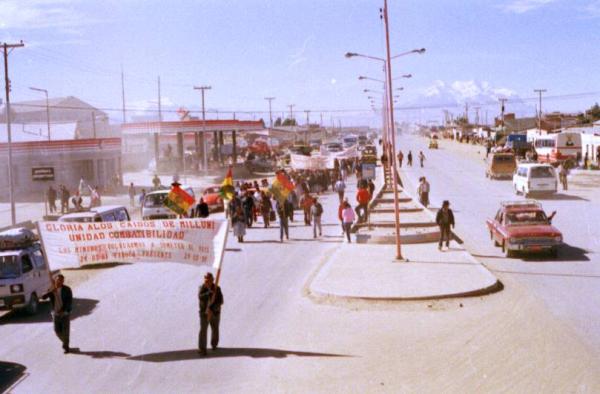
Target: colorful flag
x=281, y=187
x=178, y=200
x=227, y=190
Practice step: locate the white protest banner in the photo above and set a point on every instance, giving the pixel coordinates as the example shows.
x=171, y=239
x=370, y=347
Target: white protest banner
x=301, y=162
x=191, y=241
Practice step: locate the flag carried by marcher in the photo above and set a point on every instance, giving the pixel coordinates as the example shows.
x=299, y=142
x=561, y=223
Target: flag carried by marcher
x=178, y=200
x=227, y=190
x=282, y=186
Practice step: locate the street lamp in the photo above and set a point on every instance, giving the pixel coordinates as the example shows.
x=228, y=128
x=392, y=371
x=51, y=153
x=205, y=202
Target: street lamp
x=47, y=107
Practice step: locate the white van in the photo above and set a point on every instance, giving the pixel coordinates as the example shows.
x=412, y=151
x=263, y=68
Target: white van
x=154, y=208
x=24, y=272
x=104, y=213
x=535, y=178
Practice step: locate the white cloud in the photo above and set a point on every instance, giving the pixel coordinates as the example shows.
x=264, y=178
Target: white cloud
x=434, y=89
x=523, y=6
x=465, y=91
x=40, y=14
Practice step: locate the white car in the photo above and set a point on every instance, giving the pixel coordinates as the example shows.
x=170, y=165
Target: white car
x=535, y=178
x=154, y=208
x=24, y=273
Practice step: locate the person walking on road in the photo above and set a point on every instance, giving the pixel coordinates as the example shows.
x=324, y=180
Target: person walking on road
x=340, y=209
x=371, y=187
x=445, y=219
x=423, y=191
x=210, y=298
x=61, y=301
x=248, y=203
x=562, y=176
x=362, y=209
x=316, y=211
x=64, y=199
x=421, y=158
x=284, y=228
x=265, y=209
x=201, y=210
x=131, y=192
x=400, y=158
x=409, y=158
x=306, y=202
x=348, y=217
x=51, y=197
x=340, y=188
x=238, y=222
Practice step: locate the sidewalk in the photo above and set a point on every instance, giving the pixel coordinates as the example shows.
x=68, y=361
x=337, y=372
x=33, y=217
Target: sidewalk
x=367, y=269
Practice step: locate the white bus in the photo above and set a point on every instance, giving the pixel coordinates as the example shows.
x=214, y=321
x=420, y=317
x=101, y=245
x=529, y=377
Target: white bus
x=558, y=148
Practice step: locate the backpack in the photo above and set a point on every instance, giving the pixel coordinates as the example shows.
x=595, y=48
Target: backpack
x=319, y=209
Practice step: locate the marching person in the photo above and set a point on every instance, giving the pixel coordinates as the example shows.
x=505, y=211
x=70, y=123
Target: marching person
x=61, y=300
x=248, y=203
x=362, y=209
x=238, y=222
x=340, y=188
x=283, y=219
x=210, y=298
x=201, y=209
x=348, y=217
x=306, y=202
x=421, y=158
x=445, y=219
x=562, y=176
x=400, y=158
x=316, y=211
x=51, y=196
x=423, y=191
x=131, y=192
x=409, y=158
x=64, y=199
x=371, y=187
x=265, y=208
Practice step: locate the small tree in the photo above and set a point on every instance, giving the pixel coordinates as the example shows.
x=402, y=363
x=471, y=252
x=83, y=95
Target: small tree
x=277, y=122
x=289, y=122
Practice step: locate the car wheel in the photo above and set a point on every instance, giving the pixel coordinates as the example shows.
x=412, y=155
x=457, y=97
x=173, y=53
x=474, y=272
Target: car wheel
x=554, y=252
x=507, y=252
x=32, y=306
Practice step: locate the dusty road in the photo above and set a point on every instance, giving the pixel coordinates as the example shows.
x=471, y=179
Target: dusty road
x=136, y=330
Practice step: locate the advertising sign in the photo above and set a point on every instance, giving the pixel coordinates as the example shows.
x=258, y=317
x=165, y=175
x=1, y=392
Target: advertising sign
x=42, y=173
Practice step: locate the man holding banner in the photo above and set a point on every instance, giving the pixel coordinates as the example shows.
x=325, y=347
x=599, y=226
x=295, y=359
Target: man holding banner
x=211, y=300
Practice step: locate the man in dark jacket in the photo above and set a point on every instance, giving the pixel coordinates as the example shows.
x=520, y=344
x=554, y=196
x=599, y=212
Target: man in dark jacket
x=201, y=210
x=211, y=299
x=61, y=299
x=445, y=219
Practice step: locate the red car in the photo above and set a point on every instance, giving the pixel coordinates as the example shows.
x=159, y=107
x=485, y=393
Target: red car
x=523, y=226
x=213, y=198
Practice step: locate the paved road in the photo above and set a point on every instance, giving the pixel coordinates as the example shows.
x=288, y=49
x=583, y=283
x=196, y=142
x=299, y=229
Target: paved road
x=136, y=328
x=570, y=284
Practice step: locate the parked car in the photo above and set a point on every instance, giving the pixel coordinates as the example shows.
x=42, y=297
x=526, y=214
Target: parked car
x=522, y=226
x=103, y=213
x=531, y=178
x=501, y=165
x=334, y=147
x=212, y=197
x=24, y=272
x=154, y=208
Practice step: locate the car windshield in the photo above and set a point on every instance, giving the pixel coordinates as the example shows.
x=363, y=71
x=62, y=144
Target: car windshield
x=526, y=218
x=503, y=159
x=9, y=267
x=542, y=172
x=210, y=190
x=154, y=200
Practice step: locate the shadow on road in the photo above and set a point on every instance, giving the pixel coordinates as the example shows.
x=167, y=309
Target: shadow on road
x=192, y=354
x=98, y=266
x=561, y=197
x=100, y=353
x=81, y=307
x=565, y=254
x=10, y=373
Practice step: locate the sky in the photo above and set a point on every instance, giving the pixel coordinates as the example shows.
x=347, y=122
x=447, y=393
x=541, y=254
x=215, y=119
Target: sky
x=293, y=50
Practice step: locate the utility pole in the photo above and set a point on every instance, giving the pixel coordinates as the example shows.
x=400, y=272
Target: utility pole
x=502, y=101
x=159, y=102
x=477, y=116
x=269, y=99
x=307, y=126
x=205, y=161
x=291, y=106
x=540, y=91
x=123, y=94
x=321, y=122
x=11, y=183
x=467, y=113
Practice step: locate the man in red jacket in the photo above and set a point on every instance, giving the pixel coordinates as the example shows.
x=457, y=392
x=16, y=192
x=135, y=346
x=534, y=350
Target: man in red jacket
x=362, y=197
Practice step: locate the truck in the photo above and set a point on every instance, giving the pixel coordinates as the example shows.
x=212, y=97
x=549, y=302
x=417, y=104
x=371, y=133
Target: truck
x=518, y=144
x=24, y=273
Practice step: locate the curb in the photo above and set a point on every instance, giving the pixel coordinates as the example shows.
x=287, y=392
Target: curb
x=430, y=237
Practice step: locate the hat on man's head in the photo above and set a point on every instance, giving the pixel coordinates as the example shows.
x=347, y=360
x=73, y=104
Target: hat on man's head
x=208, y=275
x=446, y=203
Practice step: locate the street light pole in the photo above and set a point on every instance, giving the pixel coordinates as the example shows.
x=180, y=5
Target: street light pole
x=540, y=91
x=392, y=130
x=47, y=108
x=11, y=183
x=204, y=144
